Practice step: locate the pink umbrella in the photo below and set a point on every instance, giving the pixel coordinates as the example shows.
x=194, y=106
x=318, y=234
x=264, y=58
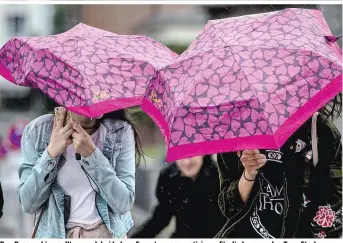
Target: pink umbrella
x=88, y=70
x=246, y=82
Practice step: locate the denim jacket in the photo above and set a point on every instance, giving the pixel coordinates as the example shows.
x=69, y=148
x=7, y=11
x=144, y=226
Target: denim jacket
x=112, y=169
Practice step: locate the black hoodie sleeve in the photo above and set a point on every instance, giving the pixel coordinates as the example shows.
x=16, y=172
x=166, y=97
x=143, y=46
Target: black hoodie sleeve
x=322, y=217
x=162, y=213
x=230, y=201
x=1, y=201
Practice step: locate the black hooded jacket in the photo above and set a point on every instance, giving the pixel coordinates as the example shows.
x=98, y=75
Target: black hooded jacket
x=194, y=204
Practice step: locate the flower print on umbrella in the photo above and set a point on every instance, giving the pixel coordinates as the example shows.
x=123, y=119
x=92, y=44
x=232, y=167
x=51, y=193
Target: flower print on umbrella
x=99, y=95
x=155, y=99
x=325, y=216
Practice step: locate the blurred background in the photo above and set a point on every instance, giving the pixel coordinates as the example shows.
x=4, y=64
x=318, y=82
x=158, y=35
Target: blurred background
x=174, y=25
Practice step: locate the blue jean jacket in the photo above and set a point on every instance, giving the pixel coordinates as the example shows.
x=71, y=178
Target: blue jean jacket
x=112, y=169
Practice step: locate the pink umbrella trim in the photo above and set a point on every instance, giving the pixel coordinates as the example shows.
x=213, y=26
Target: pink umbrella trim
x=6, y=74
x=106, y=106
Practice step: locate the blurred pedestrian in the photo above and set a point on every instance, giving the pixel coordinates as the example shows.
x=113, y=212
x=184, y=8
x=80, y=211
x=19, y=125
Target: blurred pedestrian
x=187, y=190
x=89, y=198
x=1, y=201
x=293, y=192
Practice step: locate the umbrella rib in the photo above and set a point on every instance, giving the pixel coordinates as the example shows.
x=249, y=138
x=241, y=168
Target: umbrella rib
x=186, y=94
x=311, y=24
x=264, y=22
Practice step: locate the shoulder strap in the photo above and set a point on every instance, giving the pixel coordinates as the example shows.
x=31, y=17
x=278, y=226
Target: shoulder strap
x=314, y=139
x=35, y=228
x=314, y=143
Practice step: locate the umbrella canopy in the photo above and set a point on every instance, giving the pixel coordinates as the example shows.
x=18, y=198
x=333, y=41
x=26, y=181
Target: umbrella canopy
x=87, y=70
x=246, y=82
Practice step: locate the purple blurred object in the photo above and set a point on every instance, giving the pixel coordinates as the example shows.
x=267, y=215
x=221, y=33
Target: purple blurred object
x=15, y=134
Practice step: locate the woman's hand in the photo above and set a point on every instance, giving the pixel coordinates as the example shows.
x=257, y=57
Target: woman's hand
x=82, y=141
x=60, y=136
x=252, y=160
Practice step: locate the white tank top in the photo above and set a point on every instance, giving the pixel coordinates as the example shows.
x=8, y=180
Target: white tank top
x=75, y=183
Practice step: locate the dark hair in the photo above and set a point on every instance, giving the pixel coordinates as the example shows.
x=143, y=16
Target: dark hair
x=123, y=115
x=333, y=109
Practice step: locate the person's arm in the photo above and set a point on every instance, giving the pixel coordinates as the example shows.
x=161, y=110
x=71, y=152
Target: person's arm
x=161, y=216
x=229, y=200
x=245, y=186
x=236, y=184
x=116, y=185
x=36, y=173
x=323, y=210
